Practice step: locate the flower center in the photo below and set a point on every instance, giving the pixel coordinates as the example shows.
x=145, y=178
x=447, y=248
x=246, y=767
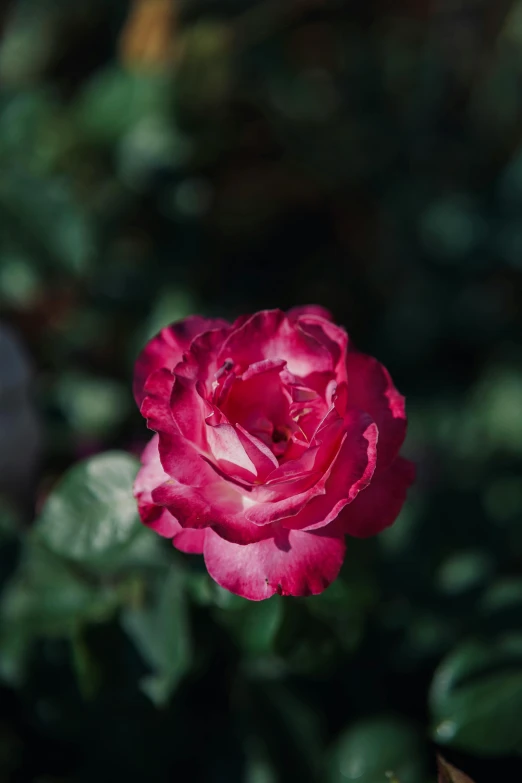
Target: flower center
x=280, y=435
x=269, y=403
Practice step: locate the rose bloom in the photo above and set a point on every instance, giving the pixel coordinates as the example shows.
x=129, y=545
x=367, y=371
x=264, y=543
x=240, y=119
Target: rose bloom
x=275, y=439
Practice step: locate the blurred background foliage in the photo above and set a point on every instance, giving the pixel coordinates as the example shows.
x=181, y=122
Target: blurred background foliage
x=165, y=157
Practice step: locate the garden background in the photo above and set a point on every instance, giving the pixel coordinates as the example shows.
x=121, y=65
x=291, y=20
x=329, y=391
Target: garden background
x=166, y=157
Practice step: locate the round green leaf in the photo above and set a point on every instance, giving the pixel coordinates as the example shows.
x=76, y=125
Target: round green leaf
x=476, y=698
x=371, y=748
x=92, y=514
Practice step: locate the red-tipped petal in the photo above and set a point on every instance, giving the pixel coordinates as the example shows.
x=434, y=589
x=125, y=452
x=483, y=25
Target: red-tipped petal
x=150, y=476
x=166, y=349
x=379, y=505
x=371, y=389
x=290, y=563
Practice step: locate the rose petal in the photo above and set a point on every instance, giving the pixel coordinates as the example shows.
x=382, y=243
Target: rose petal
x=190, y=402
x=269, y=334
x=258, y=452
x=371, y=389
x=191, y=542
x=290, y=563
x=379, y=505
x=166, y=349
x=198, y=507
x=229, y=452
x=216, y=505
x=156, y=403
x=297, y=312
x=309, y=406
x=259, y=368
x=316, y=458
x=202, y=359
x=183, y=461
x=352, y=472
x=332, y=337
x=150, y=476
x=239, y=530
x=189, y=410
x=258, y=400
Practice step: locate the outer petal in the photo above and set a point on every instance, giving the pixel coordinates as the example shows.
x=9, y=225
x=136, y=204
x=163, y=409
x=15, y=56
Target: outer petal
x=183, y=461
x=192, y=542
x=200, y=363
x=311, y=309
x=290, y=563
x=188, y=410
x=211, y=500
x=269, y=334
x=166, y=349
x=371, y=389
x=150, y=476
x=216, y=505
x=378, y=506
x=156, y=403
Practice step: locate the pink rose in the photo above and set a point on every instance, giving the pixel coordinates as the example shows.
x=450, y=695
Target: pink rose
x=275, y=439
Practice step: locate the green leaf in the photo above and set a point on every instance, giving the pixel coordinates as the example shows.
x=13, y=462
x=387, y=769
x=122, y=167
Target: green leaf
x=116, y=100
x=370, y=749
x=46, y=598
x=145, y=553
x=451, y=227
x=259, y=768
x=476, y=698
x=93, y=406
x=46, y=222
x=92, y=514
x=20, y=281
x=253, y=624
x=495, y=409
x=464, y=571
x=500, y=606
x=160, y=632
x=15, y=648
x=345, y=607
x=86, y=667
x=202, y=589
